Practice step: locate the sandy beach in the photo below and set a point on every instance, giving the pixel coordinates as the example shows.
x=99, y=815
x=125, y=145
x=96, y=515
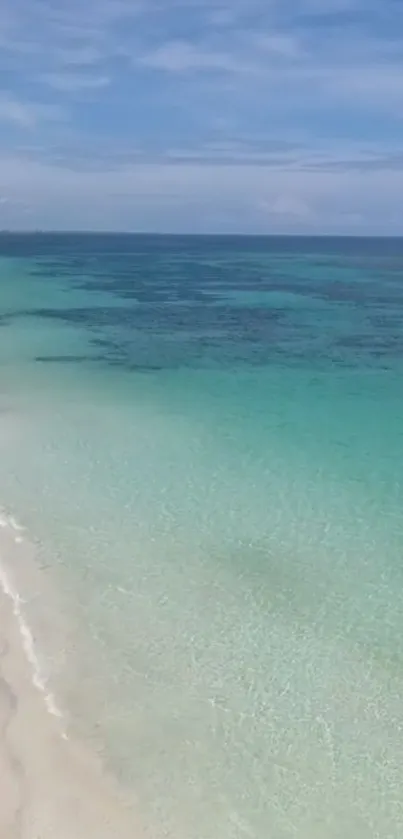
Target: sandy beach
x=51, y=787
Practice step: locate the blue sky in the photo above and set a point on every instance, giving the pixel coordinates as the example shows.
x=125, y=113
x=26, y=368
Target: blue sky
x=206, y=115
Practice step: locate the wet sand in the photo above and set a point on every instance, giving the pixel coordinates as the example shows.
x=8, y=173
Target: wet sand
x=51, y=787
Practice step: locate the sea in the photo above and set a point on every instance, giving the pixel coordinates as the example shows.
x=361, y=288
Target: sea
x=202, y=437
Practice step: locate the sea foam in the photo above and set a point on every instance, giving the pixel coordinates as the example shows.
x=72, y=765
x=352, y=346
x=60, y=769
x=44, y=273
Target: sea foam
x=38, y=677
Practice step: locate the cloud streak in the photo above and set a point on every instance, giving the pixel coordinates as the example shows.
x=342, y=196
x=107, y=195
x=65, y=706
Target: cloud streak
x=251, y=113
x=27, y=115
x=182, y=57
x=72, y=82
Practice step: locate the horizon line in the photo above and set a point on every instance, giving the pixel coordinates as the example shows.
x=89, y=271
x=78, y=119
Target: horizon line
x=88, y=232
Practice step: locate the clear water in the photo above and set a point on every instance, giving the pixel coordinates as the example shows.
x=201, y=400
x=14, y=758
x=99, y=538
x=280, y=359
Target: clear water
x=205, y=438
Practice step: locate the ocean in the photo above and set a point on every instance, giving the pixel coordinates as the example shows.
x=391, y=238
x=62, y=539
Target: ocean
x=203, y=437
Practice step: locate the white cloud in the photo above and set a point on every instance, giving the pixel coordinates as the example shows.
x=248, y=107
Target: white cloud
x=280, y=45
x=71, y=82
x=54, y=34
x=15, y=112
x=377, y=84
x=330, y=7
x=81, y=56
x=27, y=115
x=193, y=196
x=212, y=89
x=290, y=205
x=182, y=56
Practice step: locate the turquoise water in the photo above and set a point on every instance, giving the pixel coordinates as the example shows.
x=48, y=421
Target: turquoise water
x=204, y=437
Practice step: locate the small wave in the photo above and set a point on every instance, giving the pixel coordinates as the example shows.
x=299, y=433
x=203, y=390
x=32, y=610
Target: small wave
x=15, y=524
x=38, y=679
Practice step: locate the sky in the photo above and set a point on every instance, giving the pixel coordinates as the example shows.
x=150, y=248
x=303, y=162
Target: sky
x=255, y=116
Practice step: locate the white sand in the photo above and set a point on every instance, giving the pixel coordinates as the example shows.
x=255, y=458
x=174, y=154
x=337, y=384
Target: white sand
x=50, y=787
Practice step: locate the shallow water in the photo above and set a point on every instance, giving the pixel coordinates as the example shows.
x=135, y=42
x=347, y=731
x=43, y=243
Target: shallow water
x=204, y=436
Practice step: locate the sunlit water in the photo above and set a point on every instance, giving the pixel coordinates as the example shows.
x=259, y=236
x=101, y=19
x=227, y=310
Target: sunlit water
x=205, y=439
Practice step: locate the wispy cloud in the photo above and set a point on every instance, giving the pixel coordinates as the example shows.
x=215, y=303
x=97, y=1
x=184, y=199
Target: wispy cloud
x=251, y=113
x=27, y=115
x=182, y=56
x=15, y=112
x=72, y=82
x=78, y=56
x=196, y=196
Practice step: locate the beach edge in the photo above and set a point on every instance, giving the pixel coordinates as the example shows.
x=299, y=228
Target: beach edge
x=52, y=786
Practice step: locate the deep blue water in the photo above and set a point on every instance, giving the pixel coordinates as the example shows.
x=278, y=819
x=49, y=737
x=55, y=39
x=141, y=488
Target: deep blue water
x=225, y=300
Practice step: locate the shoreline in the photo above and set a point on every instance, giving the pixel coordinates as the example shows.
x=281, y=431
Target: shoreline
x=52, y=787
